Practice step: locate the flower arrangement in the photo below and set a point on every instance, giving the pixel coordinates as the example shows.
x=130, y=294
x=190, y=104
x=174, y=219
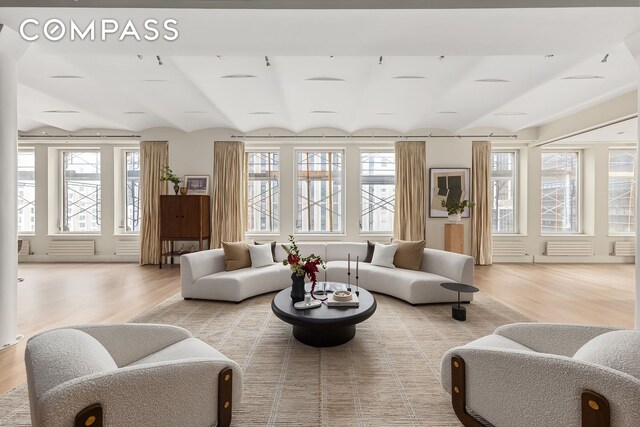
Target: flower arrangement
x=168, y=175
x=456, y=207
x=301, y=266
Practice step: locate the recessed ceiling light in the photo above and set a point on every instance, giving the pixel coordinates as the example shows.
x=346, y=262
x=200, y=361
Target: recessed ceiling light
x=408, y=77
x=262, y=112
x=195, y=112
x=510, y=113
x=239, y=76
x=620, y=133
x=323, y=112
x=61, y=111
x=447, y=112
x=154, y=80
x=325, y=79
x=134, y=112
x=582, y=77
x=66, y=77
x=385, y=114
x=491, y=81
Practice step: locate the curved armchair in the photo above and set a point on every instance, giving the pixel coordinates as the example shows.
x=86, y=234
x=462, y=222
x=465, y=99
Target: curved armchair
x=546, y=375
x=131, y=374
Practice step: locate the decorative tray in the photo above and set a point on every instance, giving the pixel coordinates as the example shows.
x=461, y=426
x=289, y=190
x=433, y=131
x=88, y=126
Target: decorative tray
x=353, y=302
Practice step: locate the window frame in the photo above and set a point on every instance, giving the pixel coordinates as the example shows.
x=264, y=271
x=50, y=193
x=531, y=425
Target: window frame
x=579, y=185
x=362, y=151
x=61, y=180
x=635, y=177
x=343, y=192
x=277, y=231
x=32, y=150
x=121, y=229
x=516, y=192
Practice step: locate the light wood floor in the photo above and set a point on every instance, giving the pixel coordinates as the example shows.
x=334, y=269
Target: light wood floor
x=54, y=295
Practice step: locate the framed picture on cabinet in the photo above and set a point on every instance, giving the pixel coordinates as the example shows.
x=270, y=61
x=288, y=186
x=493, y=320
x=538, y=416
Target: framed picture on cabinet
x=197, y=184
x=447, y=184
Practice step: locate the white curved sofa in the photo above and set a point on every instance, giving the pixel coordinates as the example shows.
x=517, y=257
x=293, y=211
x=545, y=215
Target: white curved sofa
x=204, y=277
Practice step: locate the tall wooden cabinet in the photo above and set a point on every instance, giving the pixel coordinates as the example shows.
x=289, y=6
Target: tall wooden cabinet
x=184, y=218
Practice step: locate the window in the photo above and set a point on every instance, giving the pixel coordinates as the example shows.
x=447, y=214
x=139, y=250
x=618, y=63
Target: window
x=26, y=191
x=503, y=186
x=377, y=191
x=319, y=195
x=559, y=189
x=80, y=191
x=622, y=191
x=263, y=191
x=131, y=205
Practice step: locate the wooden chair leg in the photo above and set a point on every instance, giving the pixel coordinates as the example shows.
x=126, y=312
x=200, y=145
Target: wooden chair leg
x=225, y=394
x=458, y=393
x=91, y=416
x=595, y=410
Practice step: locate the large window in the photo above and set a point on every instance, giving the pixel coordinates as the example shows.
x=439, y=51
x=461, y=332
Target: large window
x=503, y=186
x=131, y=191
x=560, y=189
x=26, y=192
x=81, y=191
x=377, y=191
x=319, y=192
x=622, y=191
x=263, y=191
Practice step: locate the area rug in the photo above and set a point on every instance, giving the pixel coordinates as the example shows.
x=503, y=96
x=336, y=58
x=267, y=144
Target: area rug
x=389, y=374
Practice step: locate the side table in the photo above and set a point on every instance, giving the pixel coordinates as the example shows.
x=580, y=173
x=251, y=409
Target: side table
x=458, y=312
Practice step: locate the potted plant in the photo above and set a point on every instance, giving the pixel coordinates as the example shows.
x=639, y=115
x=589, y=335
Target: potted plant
x=301, y=266
x=456, y=207
x=168, y=175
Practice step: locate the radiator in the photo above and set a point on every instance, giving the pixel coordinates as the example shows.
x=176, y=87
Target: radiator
x=508, y=248
x=72, y=247
x=569, y=248
x=26, y=249
x=624, y=248
x=127, y=247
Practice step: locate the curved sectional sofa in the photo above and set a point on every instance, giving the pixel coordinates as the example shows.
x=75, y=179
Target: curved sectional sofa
x=203, y=274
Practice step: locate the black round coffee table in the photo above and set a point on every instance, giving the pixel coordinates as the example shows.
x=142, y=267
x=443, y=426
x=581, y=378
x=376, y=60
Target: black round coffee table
x=458, y=312
x=323, y=326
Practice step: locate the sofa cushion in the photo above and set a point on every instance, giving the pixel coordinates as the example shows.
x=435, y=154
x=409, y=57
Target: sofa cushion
x=409, y=254
x=190, y=348
x=383, y=255
x=243, y=283
x=619, y=350
x=306, y=249
x=236, y=255
x=339, y=251
x=273, y=249
x=497, y=341
x=62, y=355
x=261, y=255
x=371, y=246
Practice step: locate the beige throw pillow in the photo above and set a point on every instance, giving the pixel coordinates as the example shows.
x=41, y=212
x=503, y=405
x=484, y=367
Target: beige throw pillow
x=409, y=254
x=236, y=255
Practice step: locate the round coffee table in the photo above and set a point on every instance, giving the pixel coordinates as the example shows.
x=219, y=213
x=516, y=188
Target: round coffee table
x=459, y=312
x=323, y=326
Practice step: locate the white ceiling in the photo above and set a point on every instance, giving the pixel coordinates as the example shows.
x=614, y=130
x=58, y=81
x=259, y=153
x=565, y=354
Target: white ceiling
x=118, y=90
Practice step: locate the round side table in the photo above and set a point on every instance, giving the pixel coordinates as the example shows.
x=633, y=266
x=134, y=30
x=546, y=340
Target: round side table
x=458, y=312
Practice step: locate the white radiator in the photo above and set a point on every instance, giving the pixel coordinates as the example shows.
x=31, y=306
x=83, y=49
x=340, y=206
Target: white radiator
x=624, y=248
x=72, y=247
x=127, y=247
x=508, y=248
x=569, y=248
x=26, y=249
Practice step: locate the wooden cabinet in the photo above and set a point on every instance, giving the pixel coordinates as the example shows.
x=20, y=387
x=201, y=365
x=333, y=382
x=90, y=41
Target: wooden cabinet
x=454, y=238
x=184, y=218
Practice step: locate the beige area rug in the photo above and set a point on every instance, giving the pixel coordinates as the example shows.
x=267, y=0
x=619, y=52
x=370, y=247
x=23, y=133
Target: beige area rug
x=389, y=374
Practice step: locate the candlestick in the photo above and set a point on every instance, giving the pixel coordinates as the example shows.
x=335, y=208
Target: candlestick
x=357, y=277
x=349, y=272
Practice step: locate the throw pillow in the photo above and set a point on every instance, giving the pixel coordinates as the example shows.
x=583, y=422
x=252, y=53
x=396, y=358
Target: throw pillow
x=261, y=255
x=383, y=255
x=273, y=249
x=370, y=248
x=236, y=255
x=409, y=254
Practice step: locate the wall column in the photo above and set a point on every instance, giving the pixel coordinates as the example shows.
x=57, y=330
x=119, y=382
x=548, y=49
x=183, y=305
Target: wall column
x=8, y=191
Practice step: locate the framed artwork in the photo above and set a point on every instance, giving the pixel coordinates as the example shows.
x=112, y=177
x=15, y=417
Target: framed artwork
x=197, y=184
x=447, y=184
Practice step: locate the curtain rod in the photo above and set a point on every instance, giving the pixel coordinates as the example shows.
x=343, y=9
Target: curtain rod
x=28, y=137
x=369, y=136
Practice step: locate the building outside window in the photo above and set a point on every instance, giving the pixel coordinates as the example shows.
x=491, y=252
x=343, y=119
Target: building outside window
x=26, y=191
x=560, y=192
x=377, y=191
x=622, y=191
x=504, y=191
x=131, y=214
x=319, y=192
x=263, y=191
x=80, y=191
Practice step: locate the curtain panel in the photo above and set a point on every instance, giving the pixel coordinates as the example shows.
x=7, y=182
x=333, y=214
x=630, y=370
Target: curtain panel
x=481, y=229
x=410, y=208
x=227, y=220
x=154, y=155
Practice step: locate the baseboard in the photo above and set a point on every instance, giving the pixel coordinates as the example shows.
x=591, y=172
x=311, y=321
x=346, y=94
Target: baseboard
x=83, y=259
x=513, y=259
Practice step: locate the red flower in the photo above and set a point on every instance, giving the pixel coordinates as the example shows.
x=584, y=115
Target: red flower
x=292, y=259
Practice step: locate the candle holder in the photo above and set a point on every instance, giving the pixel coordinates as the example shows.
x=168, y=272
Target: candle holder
x=357, y=287
x=349, y=281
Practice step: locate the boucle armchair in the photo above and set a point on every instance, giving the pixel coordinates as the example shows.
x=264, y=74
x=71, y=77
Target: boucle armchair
x=528, y=374
x=131, y=374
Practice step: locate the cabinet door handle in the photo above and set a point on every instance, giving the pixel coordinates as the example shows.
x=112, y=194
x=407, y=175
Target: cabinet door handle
x=182, y=216
x=176, y=216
